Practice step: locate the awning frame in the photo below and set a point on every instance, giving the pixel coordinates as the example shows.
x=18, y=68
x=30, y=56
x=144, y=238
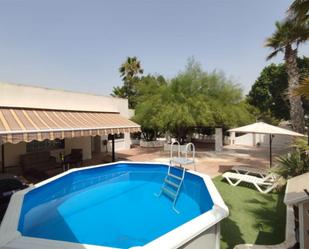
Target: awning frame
x=65, y=129
x=25, y=125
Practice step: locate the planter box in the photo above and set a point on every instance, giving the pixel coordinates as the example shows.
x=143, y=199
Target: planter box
x=152, y=144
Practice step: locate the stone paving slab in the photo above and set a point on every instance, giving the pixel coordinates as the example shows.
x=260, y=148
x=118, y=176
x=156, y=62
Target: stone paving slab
x=209, y=162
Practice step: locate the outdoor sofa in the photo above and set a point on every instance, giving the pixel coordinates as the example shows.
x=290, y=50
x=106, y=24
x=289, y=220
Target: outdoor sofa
x=39, y=161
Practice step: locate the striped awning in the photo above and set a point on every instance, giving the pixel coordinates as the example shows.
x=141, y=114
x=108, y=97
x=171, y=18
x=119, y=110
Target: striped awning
x=18, y=125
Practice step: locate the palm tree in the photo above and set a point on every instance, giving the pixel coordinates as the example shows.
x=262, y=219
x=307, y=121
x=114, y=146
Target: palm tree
x=286, y=39
x=130, y=68
x=119, y=92
x=299, y=10
x=129, y=72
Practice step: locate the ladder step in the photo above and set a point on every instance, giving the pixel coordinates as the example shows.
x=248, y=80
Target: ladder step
x=171, y=183
x=169, y=192
x=174, y=176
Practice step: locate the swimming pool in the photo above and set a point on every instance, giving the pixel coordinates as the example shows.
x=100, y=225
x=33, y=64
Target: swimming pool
x=112, y=206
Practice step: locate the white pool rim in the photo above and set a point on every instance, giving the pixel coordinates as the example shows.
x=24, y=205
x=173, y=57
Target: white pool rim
x=11, y=238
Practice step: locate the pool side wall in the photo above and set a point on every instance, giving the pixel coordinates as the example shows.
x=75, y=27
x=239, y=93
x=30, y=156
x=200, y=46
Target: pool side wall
x=200, y=232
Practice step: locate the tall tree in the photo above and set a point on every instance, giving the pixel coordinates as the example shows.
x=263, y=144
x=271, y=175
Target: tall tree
x=269, y=91
x=286, y=38
x=149, y=93
x=194, y=98
x=130, y=71
x=299, y=12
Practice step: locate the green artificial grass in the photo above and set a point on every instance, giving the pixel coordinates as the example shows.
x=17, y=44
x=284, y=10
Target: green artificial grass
x=254, y=218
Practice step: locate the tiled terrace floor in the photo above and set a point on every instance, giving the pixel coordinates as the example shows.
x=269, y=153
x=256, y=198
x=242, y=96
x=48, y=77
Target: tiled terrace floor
x=208, y=162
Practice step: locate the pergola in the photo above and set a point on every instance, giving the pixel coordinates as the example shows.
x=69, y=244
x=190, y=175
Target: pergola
x=264, y=128
x=25, y=125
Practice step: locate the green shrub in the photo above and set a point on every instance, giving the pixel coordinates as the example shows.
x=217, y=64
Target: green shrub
x=293, y=164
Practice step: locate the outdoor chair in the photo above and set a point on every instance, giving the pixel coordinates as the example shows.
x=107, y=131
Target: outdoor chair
x=262, y=185
x=262, y=173
x=76, y=157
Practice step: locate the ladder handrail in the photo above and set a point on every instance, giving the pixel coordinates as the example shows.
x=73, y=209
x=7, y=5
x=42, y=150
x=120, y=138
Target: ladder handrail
x=183, y=154
x=175, y=142
x=188, y=146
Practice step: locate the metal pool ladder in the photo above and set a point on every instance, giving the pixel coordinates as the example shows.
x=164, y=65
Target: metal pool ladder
x=183, y=160
x=172, y=183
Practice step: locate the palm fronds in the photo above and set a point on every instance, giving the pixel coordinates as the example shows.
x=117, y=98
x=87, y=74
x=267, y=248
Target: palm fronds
x=303, y=88
x=299, y=10
x=287, y=33
x=130, y=68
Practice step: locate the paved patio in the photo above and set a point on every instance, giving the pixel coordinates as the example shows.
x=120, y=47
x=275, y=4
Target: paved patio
x=209, y=162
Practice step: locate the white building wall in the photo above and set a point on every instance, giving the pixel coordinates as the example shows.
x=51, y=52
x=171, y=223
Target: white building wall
x=12, y=153
x=263, y=139
x=12, y=95
x=127, y=141
x=120, y=144
x=83, y=143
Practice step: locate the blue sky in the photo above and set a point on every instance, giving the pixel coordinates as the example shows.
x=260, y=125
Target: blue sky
x=79, y=45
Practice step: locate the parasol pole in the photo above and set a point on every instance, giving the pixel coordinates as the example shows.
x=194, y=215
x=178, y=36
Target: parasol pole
x=270, y=150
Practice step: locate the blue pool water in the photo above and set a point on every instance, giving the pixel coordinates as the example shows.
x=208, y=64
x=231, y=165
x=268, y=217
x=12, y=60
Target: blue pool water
x=111, y=206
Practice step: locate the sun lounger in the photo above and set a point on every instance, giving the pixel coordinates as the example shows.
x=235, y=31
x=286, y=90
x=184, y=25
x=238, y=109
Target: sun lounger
x=263, y=173
x=262, y=185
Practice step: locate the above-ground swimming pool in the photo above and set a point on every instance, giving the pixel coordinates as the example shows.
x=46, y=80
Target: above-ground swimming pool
x=113, y=206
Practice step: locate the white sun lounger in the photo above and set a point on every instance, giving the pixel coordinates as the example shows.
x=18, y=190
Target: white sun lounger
x=262, y=185
x=263, y=173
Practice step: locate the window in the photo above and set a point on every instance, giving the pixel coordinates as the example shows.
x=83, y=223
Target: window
x=46, y=145
x=117, y=136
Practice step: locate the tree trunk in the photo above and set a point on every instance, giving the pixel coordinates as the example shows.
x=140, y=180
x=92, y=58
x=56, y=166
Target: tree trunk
x=296, y=107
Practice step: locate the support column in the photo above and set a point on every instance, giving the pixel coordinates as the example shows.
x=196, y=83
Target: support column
x=232, y=137
x=218, y=139
x=113, y=148
x=253, y=139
